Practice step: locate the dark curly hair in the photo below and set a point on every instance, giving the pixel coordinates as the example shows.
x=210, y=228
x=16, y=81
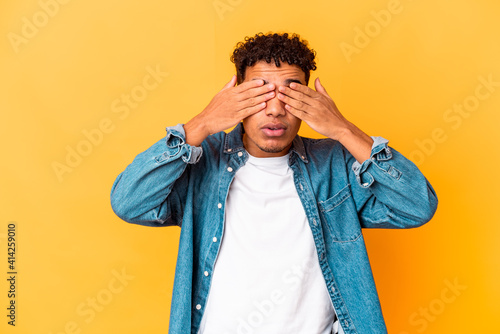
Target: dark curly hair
x=277, y=47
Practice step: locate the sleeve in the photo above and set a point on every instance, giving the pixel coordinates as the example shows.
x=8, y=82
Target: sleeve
x=151, y=191
x=389, y=190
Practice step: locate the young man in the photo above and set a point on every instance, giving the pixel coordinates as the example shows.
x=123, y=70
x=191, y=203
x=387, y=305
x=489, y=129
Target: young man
x=271, y=222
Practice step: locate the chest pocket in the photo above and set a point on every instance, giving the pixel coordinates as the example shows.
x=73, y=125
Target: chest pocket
x=340, y=216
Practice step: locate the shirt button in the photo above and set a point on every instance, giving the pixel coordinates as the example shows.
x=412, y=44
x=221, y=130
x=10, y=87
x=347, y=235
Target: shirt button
x=198, y=307
x=315, y=222
x=373, y=158
x=303, y=157
x=240, y=154
x=301, y=186
x=229, y=169
x=346, y=323
x=205, y=273
x=333, y=289
x=229, y=149
x=219, y=205
x=214, y=239
x=365, y=184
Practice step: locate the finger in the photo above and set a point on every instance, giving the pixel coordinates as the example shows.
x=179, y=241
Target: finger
x=296, y=112
x=254, y=100
x=294, y=94
x=244, y=113
x=256, y=91
x=231, y=83
x=248, y=85
x=303, y=89
x=259, y=90
x=319, y=87
x=295, y=103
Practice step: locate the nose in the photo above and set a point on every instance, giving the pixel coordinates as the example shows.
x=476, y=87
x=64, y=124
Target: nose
x=275, y=107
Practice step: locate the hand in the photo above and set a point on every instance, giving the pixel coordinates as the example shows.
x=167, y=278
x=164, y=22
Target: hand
x=318, y=110
x=228, y=108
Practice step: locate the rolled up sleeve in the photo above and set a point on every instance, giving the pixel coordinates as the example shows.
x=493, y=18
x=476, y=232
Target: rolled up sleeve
x=151, y=190
x=380, y=152
x=176, y=143
x=389, y=190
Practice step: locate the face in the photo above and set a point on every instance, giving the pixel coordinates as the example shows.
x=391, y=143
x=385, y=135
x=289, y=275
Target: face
x=270, y=132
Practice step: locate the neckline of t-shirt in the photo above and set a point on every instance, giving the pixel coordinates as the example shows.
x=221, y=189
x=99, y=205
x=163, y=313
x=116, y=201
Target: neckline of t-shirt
x=269, y=161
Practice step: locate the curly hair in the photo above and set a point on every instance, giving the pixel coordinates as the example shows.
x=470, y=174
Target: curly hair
x=269, y=47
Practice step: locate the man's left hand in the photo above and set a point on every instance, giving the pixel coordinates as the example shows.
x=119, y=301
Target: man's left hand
x=317, y=109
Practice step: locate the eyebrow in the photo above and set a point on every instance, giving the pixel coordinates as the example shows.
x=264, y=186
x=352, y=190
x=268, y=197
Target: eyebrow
x=286, y=83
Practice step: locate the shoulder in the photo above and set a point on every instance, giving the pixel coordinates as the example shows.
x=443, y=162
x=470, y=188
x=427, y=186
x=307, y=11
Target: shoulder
x=213, y=148
x=217, y=139
x=323, y=147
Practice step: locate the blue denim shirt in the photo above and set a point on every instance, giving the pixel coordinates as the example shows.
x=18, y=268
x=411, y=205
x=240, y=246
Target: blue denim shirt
x=173, y=183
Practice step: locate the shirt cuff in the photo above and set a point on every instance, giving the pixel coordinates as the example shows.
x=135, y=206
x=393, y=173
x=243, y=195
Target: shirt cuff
x=380, y=151
x=176, y=140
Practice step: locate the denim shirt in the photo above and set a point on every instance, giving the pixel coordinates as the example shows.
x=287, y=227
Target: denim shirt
x=173, y=183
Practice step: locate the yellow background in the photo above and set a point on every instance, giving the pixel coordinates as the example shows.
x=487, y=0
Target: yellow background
x=62, y=77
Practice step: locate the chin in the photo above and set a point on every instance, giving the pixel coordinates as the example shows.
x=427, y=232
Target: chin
x=273, y=149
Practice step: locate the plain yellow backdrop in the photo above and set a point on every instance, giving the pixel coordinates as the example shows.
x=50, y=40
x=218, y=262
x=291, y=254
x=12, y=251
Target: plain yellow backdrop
x=87, y=85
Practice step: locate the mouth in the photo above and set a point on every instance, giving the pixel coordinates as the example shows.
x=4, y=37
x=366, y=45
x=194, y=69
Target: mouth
x=273, y=129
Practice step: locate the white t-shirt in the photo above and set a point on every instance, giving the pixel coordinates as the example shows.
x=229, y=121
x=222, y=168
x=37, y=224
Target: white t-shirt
x=267, y=277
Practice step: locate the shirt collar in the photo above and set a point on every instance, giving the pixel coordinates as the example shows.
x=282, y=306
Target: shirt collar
x=234, y=143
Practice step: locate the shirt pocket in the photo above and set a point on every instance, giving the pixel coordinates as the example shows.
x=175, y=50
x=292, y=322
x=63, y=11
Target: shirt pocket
x=340, y=217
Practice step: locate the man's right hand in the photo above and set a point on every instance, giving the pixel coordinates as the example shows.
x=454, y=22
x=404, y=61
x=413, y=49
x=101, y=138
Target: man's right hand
x=228, y=108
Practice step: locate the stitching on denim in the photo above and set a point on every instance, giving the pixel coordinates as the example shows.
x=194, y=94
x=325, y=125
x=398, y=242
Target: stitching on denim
x=361, y=183
x=334, y=239
x=398, y=173
x=344, y=304
x=351, y=240
x=383, y=166
x=337, y=202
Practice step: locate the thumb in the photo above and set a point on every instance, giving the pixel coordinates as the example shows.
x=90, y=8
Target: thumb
x=319, y=87
x=231, y=83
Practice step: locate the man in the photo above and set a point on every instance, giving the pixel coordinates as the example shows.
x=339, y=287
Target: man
x=271, y=222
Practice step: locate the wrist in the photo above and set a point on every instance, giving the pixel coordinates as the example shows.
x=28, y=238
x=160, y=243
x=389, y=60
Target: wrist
x=196, y=131
x=340, y=133
x=357, y=142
